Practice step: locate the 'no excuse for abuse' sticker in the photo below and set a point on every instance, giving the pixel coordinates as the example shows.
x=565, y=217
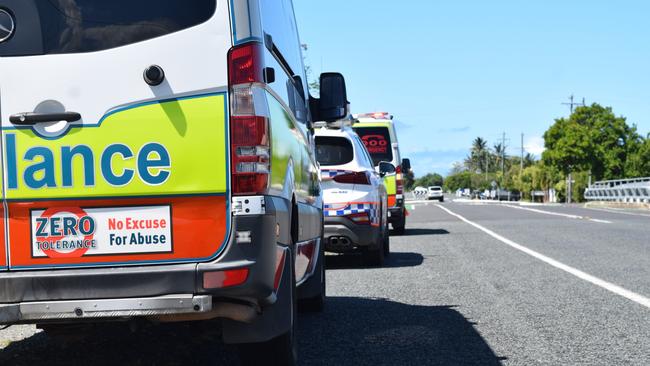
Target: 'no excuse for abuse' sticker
x=69, y=232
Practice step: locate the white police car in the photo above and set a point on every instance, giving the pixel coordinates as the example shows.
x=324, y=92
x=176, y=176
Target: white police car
x=354, y=195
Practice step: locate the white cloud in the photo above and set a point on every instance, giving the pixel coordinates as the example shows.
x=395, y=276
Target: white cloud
x=535, y=146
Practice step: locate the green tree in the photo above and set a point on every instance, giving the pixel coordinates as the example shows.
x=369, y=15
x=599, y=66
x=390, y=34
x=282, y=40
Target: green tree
x=431, y=179
x=638, y=163
x=475, y=161
x=592, y=140
x=458, y=181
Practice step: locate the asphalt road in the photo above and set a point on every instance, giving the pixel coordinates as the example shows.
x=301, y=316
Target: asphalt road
x=554, y=285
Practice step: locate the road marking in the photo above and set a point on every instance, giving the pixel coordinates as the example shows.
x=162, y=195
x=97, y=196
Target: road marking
x=639, y=299
x=617, y=211
x=577, y=217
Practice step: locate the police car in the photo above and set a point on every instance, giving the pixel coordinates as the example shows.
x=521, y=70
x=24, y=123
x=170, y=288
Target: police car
x=158, y=165
x=355, y=198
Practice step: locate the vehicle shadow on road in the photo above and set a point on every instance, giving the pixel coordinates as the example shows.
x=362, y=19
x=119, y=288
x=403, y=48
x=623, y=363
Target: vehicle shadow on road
x=423, y=232
x=355, y=261
x=160, y=345
x=351, y=331
x=364, y=331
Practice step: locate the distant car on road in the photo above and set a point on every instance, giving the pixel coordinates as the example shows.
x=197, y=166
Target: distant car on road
x=435, y=193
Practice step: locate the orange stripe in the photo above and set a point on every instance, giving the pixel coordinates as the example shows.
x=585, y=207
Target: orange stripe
x=392, y=200
x=198, y=230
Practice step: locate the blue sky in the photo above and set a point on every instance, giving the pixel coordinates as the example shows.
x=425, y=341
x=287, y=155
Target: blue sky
x=453, y=70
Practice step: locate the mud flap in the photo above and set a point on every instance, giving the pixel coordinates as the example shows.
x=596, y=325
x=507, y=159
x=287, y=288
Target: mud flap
x=312, y=287
x=274, y=320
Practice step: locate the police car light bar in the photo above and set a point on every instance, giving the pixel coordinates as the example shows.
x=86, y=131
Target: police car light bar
x=374, y=115
x=335, y=125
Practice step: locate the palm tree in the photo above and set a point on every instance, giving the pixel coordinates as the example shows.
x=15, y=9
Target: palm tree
x=499, y=154
x=529, y=160
x=476, y=158
x=479, y=145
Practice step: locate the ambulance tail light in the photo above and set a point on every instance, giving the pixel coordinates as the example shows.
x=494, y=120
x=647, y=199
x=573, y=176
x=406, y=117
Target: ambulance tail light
x=223, y=279
x=353, y=178
x=250, y=148
x=399, y=181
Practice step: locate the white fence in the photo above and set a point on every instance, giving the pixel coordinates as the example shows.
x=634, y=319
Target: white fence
x=623, y=190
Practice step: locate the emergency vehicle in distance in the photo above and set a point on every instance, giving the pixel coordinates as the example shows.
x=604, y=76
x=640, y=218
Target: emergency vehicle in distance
x=354, y=195
x=158, y=165
x=377, y=131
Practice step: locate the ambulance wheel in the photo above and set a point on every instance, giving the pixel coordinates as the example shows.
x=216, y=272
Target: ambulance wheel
x=281, y=350
x=400, y=226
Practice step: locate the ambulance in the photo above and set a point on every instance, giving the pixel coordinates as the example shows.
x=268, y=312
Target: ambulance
x=158, y=165
x=377, y=131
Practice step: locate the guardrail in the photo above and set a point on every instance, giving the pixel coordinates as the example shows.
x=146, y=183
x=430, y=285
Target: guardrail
x=623, y=190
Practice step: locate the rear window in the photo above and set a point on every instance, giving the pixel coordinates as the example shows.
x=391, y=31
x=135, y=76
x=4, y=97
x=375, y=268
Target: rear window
x=377, y=141
x=333, y=150
x=73, y=26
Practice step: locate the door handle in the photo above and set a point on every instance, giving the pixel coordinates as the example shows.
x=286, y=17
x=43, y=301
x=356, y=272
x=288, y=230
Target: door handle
x=30, y=119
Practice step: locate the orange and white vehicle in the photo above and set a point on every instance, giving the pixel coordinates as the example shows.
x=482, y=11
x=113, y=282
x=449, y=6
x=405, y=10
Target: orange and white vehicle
x=157, y=163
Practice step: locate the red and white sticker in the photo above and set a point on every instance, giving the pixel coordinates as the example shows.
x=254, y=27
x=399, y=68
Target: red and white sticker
x=72, y=232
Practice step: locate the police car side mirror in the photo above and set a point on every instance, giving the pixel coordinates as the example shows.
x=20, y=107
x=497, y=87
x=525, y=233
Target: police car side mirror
x=386, y=168
x=333, y=103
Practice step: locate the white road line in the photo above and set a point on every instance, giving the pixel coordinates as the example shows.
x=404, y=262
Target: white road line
x=577, y=217
x=616, y=211
x=639, y=299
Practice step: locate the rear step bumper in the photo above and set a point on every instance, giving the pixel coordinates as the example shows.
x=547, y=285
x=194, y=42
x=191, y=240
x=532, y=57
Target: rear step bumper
x=105, y=308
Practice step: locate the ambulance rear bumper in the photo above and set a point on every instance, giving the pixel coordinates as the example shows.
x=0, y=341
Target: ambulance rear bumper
x=104, y=308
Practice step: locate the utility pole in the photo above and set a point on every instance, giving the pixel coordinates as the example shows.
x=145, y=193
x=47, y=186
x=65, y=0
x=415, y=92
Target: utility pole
x=521, y=163
x=487, y=164
x=503, y=155
x=569, y=188
x=573, y=104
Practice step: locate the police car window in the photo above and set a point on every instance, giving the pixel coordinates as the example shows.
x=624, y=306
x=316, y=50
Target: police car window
x=74, y=26
x=365, y=158
x=377, y=141
x=333, y=150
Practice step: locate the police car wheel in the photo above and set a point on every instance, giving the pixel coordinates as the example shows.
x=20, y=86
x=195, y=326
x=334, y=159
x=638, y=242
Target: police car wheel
x=375, y=257
x=386, y=241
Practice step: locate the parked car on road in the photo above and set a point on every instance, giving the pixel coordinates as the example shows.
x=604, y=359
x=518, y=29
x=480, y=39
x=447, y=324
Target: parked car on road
x=159, y=166
x=355, y=198
x=377, y=131
x=435, y=193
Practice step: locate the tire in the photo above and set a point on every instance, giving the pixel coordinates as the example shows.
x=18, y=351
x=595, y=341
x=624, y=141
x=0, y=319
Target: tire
x=400, y=226
x=386, y=241
x=442, y=199
x=375, y=257
x=281, y=350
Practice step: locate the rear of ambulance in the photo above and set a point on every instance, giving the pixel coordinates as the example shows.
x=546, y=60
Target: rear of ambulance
x=117, y=184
